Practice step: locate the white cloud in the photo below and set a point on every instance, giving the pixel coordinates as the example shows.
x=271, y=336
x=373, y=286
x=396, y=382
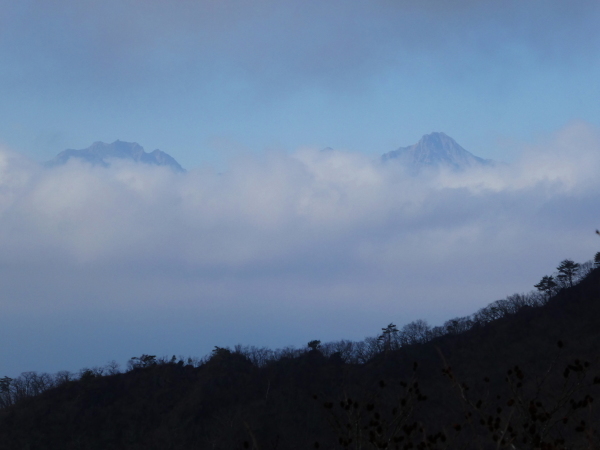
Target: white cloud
x=280, y=248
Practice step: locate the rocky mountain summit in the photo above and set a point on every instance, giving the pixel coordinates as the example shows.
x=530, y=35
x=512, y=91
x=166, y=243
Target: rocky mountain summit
x=435, y=150
x=100, y=153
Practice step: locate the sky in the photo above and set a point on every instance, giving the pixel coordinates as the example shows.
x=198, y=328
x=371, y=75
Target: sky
x=267, y=240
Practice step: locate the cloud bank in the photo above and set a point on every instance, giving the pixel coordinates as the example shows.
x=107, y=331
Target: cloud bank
x=279, y=249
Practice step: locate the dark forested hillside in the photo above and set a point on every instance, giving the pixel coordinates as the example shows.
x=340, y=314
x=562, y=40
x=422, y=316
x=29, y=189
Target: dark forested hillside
x=524, y=375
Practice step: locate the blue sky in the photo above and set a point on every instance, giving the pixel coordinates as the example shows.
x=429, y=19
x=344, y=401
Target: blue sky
x=266, y=240
x=202, y=79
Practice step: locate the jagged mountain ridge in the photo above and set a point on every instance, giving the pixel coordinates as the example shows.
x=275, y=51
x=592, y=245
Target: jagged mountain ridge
x=435, y=150
x=99, y=153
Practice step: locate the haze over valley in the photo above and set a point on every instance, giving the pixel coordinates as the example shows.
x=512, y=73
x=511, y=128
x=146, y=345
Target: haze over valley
x=278, y=249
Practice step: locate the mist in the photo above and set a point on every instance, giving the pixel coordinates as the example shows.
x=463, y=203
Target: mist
x=281, y=248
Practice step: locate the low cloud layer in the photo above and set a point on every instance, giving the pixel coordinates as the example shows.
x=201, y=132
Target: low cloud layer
x=279, y=249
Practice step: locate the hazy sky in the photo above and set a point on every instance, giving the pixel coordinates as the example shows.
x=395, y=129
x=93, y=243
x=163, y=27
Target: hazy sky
x=201, y=79
x=266, y=240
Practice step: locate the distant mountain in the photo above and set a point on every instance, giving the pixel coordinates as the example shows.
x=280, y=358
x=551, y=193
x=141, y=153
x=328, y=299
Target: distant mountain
x=435, y=150
x=99, y=153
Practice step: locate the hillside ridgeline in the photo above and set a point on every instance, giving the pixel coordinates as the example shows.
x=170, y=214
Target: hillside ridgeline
x=521, y=373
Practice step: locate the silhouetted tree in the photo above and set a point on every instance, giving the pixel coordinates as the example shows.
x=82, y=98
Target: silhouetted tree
x=63, y=377
x=141, y=362
x=5, y=391
x=314, y=345
x=388, y=337
x=416, y=332
x=458, y=325
x=488, y=314
x=567, y=270
x=346, y=349
x=547, y=286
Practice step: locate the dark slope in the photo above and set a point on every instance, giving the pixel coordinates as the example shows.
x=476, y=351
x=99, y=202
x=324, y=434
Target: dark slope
x=228, y=401
x=528, y=339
